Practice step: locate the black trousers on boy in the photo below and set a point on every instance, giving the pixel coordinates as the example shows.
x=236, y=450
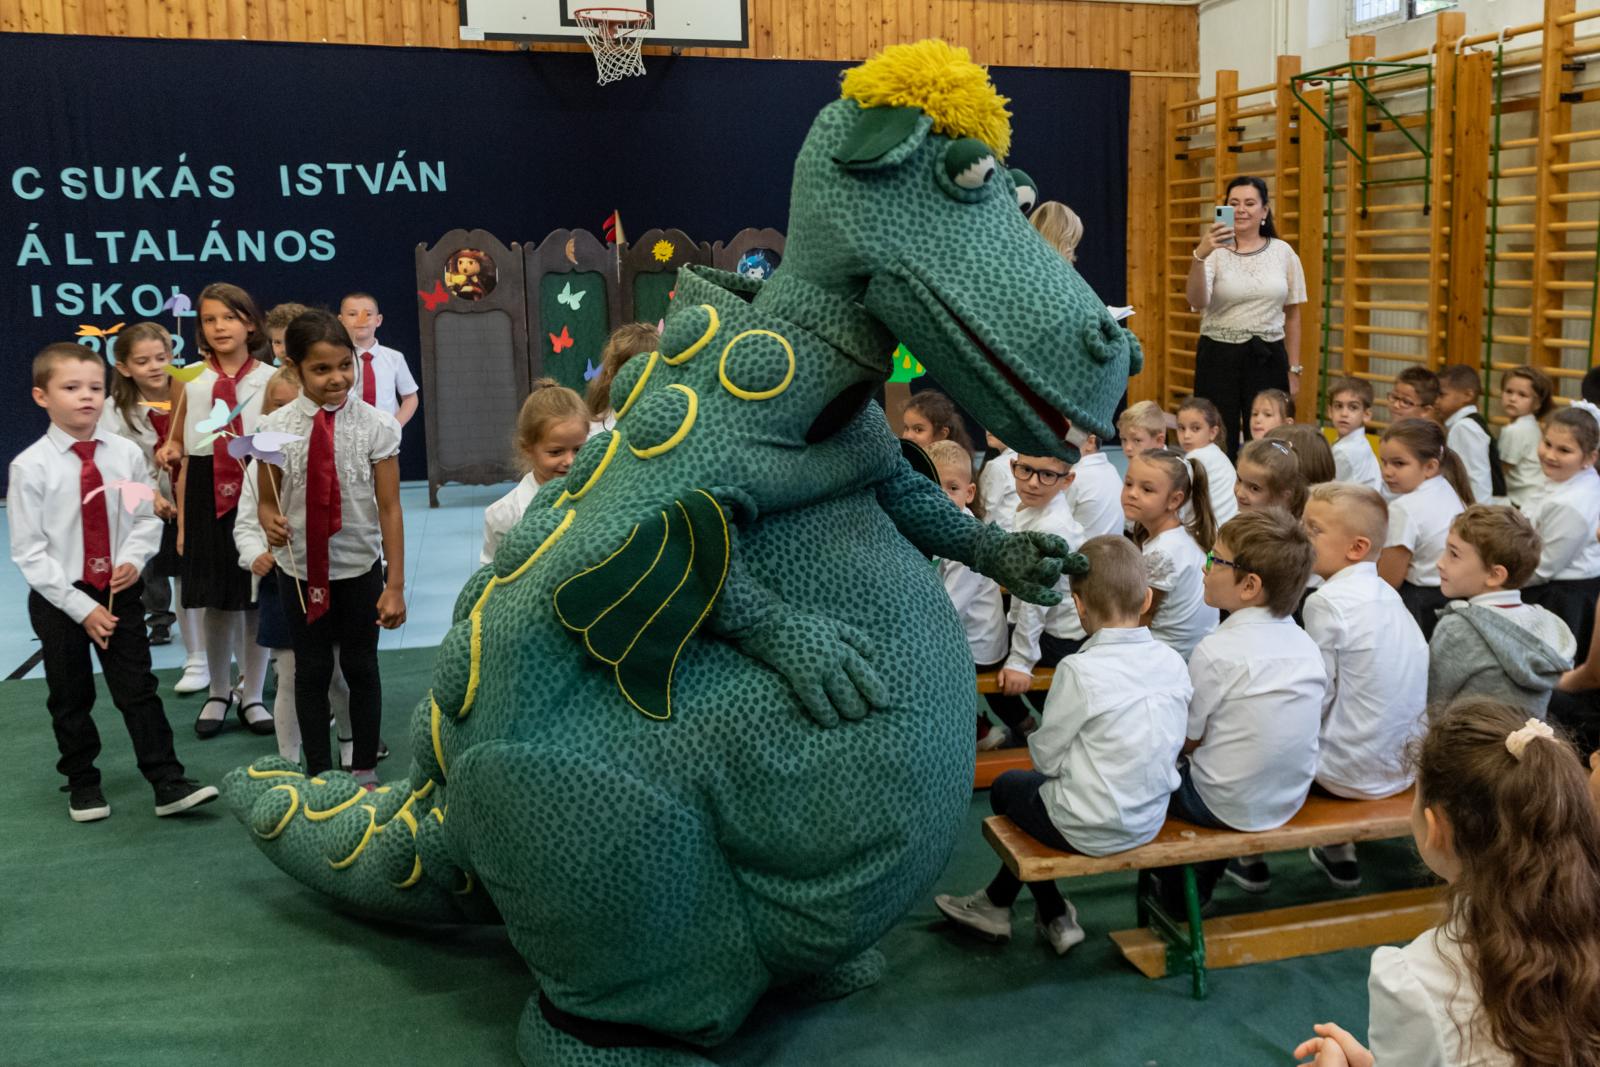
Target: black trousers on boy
x=125, y=663
x=351, y=623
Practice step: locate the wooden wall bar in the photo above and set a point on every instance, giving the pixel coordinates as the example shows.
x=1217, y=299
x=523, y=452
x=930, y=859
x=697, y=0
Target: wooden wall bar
x=1159, y=42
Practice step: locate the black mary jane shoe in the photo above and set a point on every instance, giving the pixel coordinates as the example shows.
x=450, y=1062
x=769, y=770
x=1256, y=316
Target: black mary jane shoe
x=261, y=727
x=205, y=729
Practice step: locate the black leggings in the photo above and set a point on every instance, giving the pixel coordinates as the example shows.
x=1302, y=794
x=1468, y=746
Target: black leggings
x=351, y=623
x=1231, y=375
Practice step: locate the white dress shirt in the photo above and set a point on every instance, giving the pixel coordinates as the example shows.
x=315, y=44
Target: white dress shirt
x=1567, y=520
x=503, y=515
x=1176, y=568
x=248, y=536
x=1354, y=461
x=1030, y=620
x=1258, y=689
x=1095, y=496
x=1109, y=739
x=979, y=606
x=362, y=437
x=997, y=489
x=1470, y=441
x=1377, y=665
x=249, y=391
x=1423, y=1007
x=391, y=378
x=45, y=514
x=1220, y=477
x=1420, y=521
x=1518, y=445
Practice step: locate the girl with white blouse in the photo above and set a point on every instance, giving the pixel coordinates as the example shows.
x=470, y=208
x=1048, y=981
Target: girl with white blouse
x=1158, y=485
x=1428, y=488
x=1568, y=577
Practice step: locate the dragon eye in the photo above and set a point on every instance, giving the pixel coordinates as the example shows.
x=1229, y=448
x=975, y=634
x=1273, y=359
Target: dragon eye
x=1027, y=191
x=968, y=170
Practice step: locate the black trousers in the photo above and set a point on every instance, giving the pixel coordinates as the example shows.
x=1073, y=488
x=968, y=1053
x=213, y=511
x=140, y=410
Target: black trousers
x=125, y=661
x=1573, y=599
x=1230, y=376
x=1424, y=602
x=1015, y=794
x=351, y=623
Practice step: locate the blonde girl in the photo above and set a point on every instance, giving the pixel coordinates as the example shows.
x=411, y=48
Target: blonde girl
x=1158, y=484
x=1270, y=409
x=1199, y=428
x=1568, y=576
x=1060, y=225
x=551, y=427
x=1428, y=488
x=626, y=341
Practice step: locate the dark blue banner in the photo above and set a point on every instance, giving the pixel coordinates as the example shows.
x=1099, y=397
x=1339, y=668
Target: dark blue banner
x=137, y=170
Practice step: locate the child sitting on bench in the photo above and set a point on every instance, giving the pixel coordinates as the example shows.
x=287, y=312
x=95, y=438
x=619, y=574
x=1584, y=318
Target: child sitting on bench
x=1105, y=752
x=1512, y=974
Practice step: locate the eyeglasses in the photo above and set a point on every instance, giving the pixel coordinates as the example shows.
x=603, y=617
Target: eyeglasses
x=1046, y=478
x=1214, y=560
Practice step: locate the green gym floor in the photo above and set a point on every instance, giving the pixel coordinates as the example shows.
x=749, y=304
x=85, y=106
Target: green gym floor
x=139, y=940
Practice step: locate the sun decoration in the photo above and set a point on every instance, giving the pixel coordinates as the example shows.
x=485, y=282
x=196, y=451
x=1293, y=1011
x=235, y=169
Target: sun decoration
x=943, y=81
x=663, y=251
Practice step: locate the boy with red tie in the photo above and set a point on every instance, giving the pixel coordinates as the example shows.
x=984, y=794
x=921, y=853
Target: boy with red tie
x=81, y=547
x=382, y=378
x=331, y=515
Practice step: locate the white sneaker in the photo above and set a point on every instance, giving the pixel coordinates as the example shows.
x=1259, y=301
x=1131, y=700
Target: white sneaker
x=977, y=913
x=1063, y=932
x=196, y=676
x=997, y=737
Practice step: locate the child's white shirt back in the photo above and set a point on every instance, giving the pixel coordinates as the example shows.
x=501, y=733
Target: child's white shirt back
x=1354, y=460
x=503, y=515
x=1177, y=569
x=1029, y=620
x=1519, y=455
x=1470, y=441
x=1424, y=1007
x=997, y=488
x=1257, y=708
x=981, y=608
x=1220, y=477
x=1377, y=665
x=1420, y=521
x=1567, y=519
x=1095, y=496
x=1109, y=739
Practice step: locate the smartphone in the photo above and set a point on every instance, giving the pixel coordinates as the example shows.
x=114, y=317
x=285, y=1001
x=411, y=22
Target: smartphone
x=1225, y=217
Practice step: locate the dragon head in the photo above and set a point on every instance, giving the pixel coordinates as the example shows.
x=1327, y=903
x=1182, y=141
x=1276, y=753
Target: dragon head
x=902, y=203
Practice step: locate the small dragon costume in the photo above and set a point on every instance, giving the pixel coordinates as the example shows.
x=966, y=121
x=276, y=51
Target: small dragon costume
x=705, y=725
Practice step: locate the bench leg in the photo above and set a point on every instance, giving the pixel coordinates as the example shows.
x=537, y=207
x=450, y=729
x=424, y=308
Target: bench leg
x=1197, y=933
x=1185, y=937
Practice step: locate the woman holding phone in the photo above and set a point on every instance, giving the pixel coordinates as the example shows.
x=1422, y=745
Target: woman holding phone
x=1248, y=287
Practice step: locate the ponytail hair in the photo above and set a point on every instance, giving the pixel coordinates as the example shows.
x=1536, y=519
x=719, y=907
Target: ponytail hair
x=1187, y=476
x=1424, y=439
x=1526, y=906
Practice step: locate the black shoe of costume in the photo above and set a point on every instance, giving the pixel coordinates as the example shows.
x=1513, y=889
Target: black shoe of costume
x=87, y=804
x=180, y=794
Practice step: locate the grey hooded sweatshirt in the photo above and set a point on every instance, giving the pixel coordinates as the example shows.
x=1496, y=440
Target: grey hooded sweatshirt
x=1478, y=650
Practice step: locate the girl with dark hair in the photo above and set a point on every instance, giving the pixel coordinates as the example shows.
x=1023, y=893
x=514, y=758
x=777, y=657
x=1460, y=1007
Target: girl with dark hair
x=1248, y=287
x=1428, y=488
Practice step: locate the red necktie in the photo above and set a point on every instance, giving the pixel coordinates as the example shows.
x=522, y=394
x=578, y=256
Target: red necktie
x=161, y=423
x=369, y=386
x=227, y=475
x=96, y=530
x=323, y=512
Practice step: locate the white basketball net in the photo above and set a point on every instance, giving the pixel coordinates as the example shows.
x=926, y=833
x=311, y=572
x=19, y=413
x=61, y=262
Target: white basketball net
x=616, y=35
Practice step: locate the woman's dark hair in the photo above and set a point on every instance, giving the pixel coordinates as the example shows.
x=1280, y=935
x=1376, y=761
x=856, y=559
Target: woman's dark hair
x=1260, y=186
x=314, y=327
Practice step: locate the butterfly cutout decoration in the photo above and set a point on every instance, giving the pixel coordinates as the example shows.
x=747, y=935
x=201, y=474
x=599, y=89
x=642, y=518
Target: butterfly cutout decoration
x=433, y=299
x=569, y=298
x=216, y=424
x=187, y=373
x=590, y=371
x=561, y=341
x=266, y=446
x=157, y=405
x=132, y=494
x=178, y=304
x=86, y=330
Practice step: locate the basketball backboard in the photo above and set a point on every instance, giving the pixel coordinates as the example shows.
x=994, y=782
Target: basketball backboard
x=686, y=23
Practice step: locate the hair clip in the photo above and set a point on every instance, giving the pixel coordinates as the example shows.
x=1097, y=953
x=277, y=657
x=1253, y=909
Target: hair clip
x=1518, y=740
x=1283, y=446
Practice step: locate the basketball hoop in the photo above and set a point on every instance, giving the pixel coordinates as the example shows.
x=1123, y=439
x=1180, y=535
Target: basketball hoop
x=616, y=34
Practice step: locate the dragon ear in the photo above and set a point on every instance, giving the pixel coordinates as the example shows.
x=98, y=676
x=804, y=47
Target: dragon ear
x=883, y=137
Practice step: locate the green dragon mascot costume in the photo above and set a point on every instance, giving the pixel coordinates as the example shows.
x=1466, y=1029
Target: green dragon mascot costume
x=704, y=727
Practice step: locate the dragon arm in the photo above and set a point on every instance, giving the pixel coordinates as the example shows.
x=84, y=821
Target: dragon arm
x=1029, y=564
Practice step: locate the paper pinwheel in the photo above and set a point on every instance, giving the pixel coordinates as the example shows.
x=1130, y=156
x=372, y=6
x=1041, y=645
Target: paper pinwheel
x=178, y=304
x=265, y=447
x=186, y=373
x=132, y=494
x=216, y=424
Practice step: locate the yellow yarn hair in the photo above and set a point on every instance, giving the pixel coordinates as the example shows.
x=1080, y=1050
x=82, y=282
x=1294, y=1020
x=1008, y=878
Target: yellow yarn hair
x=943, y=82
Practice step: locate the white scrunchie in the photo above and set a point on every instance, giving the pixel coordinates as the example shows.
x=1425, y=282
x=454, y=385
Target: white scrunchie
x=1517, y=740
x=1584, y=405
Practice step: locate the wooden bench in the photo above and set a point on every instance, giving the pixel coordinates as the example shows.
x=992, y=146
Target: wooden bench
x=993, y=764
x=1164, y=945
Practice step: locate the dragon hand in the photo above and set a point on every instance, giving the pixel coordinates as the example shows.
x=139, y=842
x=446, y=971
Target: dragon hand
x=825, y=661
x=1029, y=564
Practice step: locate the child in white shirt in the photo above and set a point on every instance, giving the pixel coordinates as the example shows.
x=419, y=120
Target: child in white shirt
x=551, y=428
x=1567, y=580
x=1141, y=427
x=1270, y=409
x=997, y=486
x=1349, y=410
x=1199, y=426
x=1526, y=398
x=976, y=598
x=1095, y=496
x=1427, y=488
x=1374, y=654
x=1158, y=485
x=382, y=378
x=1467, y=433
x=1104, y=756
x=1259, y=684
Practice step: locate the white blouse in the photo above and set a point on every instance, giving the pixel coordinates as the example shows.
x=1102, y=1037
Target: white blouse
x=1247, y=292
x=1419, y=521
x=1519, y=455
x=1423, y=1007
x=197, y=403
x=1567, y=519
x=503, y=515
